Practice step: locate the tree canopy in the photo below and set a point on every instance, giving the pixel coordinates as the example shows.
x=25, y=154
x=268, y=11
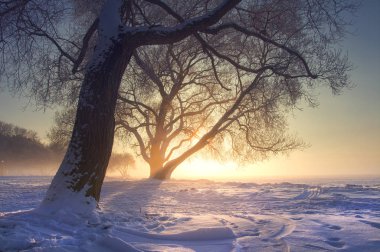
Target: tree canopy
x=175, y=102
x=272, y=51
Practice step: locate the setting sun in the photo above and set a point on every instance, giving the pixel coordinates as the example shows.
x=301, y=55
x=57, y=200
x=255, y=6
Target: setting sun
x=201, y=168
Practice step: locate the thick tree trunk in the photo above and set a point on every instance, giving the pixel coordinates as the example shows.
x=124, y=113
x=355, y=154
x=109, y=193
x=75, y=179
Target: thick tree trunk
x=84, y=165
x=158, y=169
x=163, y=173
x=155, y=164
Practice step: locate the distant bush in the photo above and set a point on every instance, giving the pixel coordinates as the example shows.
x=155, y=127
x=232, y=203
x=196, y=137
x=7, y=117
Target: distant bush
x=121, y=164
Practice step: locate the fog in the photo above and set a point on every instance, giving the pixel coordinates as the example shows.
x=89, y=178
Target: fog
x=23, y=154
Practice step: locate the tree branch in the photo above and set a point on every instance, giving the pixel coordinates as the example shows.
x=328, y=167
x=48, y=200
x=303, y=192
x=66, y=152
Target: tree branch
x=150, y=72
x=138, y=138
x=236, y=27
x=134, y=103
x=166, y=35
x=85, y=42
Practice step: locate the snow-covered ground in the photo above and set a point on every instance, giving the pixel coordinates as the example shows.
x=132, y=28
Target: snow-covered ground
x=198, y=215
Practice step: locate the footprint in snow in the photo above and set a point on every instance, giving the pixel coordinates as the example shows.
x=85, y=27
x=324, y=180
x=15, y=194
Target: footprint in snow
x=333, y=227
x=234, y=225
x=169, y=224
x=329, y=226
x=163, y=218
x=372, y=224
x=311, y=247
x=335, y=242
x=263, y=221
x=253, y=232
x=152, y=225
x=225, y=223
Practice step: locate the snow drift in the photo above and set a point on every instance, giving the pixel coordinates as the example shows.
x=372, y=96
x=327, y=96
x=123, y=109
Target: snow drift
x=202, y=215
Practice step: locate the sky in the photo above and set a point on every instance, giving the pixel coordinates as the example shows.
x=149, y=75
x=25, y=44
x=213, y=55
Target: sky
x=343, y=132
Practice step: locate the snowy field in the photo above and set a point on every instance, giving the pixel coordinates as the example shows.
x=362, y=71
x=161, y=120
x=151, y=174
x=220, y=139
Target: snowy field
x=200, y=215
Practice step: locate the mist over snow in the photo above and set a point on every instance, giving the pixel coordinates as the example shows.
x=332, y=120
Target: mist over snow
x=201, y=215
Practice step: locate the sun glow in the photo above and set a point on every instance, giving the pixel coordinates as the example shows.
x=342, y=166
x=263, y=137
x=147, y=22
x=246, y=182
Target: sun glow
x=200, y=168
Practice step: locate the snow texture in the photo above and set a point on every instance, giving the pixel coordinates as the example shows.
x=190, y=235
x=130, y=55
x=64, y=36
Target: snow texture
x=201, y=215
x=108, y=31
x=60, y=199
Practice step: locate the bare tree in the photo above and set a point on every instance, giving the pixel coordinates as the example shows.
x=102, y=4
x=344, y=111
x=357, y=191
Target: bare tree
x=174, y=102
x=91, y=49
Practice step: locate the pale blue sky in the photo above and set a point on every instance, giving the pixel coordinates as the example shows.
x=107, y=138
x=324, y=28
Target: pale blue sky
x=344, y=131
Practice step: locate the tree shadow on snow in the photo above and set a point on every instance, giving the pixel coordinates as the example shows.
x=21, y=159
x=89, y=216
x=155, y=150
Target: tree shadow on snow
x=134, y=197
x=146, y=214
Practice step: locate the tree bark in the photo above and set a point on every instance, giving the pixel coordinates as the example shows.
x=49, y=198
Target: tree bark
x=164, y=173
x=156, y=161
x=84, y=165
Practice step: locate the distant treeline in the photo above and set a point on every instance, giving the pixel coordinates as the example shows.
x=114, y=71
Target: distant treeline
x=23, y=153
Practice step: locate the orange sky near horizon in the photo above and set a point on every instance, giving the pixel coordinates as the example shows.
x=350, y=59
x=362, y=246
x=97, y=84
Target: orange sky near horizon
x=343, y=131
